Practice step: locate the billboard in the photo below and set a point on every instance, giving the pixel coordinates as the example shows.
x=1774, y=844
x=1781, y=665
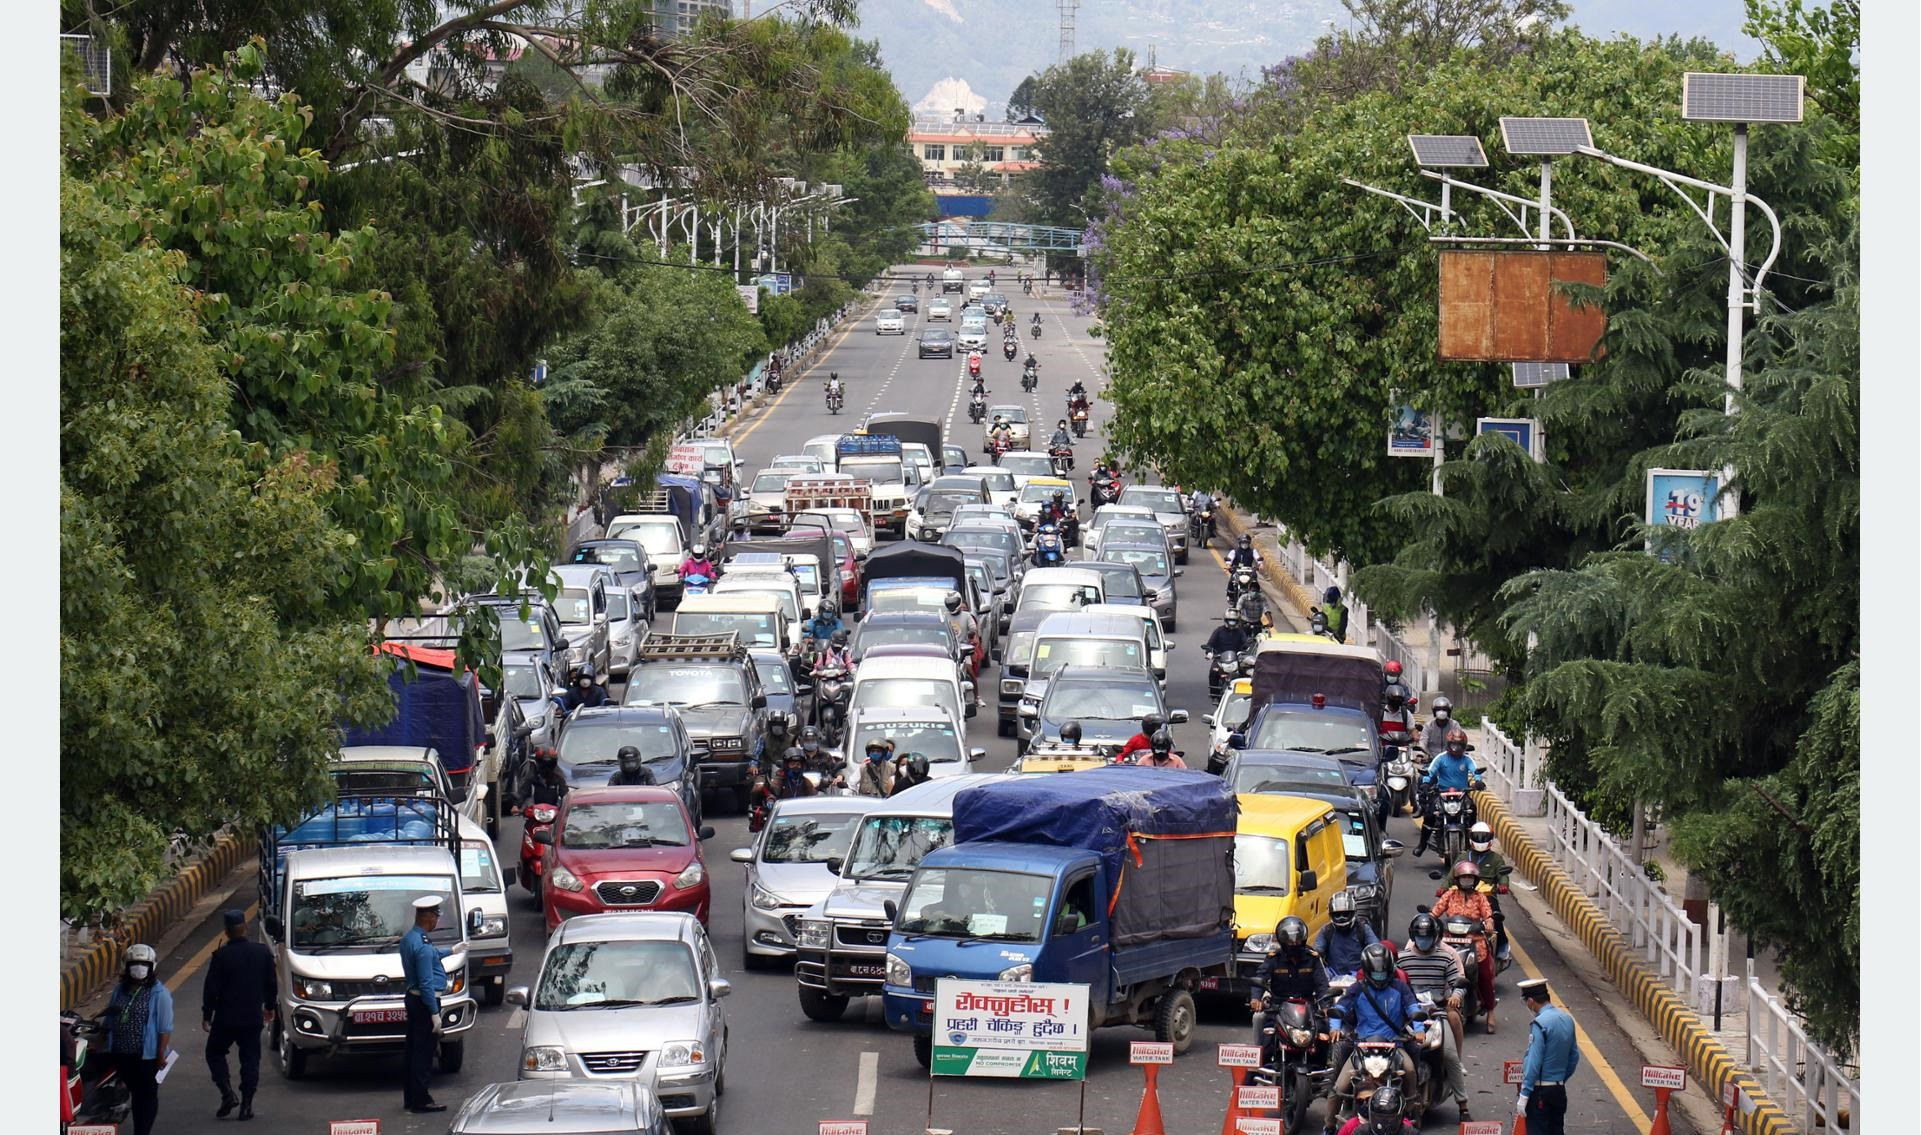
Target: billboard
x=1010, y=1029
x=1412, y=435
x=1505, y=307
x=1683, y=498
x=1524, y=432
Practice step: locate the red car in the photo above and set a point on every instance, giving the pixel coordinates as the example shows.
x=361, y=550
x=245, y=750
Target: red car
x=623, y=849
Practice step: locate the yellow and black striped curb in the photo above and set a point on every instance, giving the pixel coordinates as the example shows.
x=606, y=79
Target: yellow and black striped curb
x=1275, y=571
x=147, y=919
x=1707, y=1059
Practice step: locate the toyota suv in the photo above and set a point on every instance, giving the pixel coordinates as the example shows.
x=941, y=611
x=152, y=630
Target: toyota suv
x=712, y=682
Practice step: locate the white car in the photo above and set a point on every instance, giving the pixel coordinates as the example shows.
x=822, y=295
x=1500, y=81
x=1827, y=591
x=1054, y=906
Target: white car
x=1229, y=717
x=1001, y=488
x=1108, y=514
x=799, y=462
x=1016, y=419
x=939, y=309
x=890, y=322
x=972, y=339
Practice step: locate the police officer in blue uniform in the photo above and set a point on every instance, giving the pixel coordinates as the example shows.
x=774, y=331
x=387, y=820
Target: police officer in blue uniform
x=420, y=962
x=1551, y=1061
x=235, y=1004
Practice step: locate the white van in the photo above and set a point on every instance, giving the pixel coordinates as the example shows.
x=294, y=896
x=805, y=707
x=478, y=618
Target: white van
x=952, y=280
x=666, y=547
x=1157, y=643
x=783, y=588
x=905, y=682
x=484, y=882
x=755, y=616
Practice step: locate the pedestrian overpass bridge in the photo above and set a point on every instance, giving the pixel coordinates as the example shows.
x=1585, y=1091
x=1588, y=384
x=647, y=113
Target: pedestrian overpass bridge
x=1000, y=236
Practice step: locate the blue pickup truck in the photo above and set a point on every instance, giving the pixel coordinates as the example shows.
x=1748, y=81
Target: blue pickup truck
x=1117, y=878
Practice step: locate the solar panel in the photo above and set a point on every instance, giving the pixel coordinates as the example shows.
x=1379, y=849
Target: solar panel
x=1435, y=151
x=1741, y=98
x=1530, y=376
x=1546, y=137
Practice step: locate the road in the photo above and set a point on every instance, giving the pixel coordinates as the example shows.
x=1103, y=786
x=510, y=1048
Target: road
x=786, y=1073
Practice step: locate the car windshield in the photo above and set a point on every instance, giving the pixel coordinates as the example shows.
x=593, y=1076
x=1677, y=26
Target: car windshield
x=616, y=557
x=1055, y=651
x=892, y=846
x=619, y=608
x=1336, y=734
x=658, y=539
x=929, y=633
x=1354, y=836
x=1006, y=906
x=998, y=480
x=775, y=677
x=1039, y=492
x=943, y=502
x=1033, y=464
x=905, y=693
x=1058, y=597
x=686, y=685
x=596, y=975
x=1150, y=561
x=881, y=472
x=975, y=538
x=906, y=599
x=521, y=634
x=935, y=739
x=1111, y=699
x=366, y=911
x=772, y=480
x=1120, y=584
x=718, y=455
x=596, y=740
x=785, y=597
x=813, y=838
x=756, y=628
x=522, y=680
x=477, y=874
x=1233, y=712
x=611, y=824
x=1160, y=500
x=1011, y=413
x=1260, y=865
x=1130, y=531
x=1257, y=777
x=574, y=607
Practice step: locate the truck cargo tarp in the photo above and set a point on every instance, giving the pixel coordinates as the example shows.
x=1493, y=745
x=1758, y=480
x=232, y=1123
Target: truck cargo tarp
x=1165, y=838
x=435, y=707
x=1286, y=676
x=683, y=496
x=907, y=558
x=908, y=428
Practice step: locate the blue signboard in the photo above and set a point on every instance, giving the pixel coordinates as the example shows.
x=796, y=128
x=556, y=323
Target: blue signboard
x=1683, y=498
x=1524, y=432
x=784, y=282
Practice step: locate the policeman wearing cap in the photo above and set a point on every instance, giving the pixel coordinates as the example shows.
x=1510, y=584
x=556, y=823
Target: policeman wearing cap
x=235, y=1003
x=1551, y=1060
x=426, y=979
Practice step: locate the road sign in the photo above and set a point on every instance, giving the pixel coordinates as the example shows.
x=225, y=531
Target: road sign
x=1730, y=1092
x=540, y=371
x=686, y=459
x=843, y=1127
x=353, y=1127
x=1512, y=1071
x=1257, y=1125
x=1013, y=1029
x=1150, y=1052
x=784, y=282
x=1664, y=1076
x=1260, y=1095
x=1240, y=1056
x=1483, y=1127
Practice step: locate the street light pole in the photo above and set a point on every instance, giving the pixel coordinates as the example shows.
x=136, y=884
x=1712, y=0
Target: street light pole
x=1737, y=261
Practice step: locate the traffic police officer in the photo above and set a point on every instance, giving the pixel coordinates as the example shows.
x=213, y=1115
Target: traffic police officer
x=236, y=1002
x=1551, y=1060
x=420, y=962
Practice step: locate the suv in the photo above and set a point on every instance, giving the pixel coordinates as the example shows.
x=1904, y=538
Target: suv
x=712, y=682
x=1108, y=702
x=580, y=599
x=539, y=633
x=593, y=735
x=626, y=559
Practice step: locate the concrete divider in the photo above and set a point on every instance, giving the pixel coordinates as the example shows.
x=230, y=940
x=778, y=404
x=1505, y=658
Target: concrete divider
x=1230, y=522
x=147, y=919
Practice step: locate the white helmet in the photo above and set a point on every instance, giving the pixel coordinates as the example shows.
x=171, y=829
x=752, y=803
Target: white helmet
x=1480, y=837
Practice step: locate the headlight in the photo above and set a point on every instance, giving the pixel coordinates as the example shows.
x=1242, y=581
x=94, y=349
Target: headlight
x=566, y=880
x=457, y=981
x=1375, y=1065
x=813, y=935
x=1260, y=943
x=493, y=927
x=898, y=971
x=1300, y=1037
x=726, y=744
x=1453, y=807
x=762, y=899
x=693, y=876
x=682, y=1055
x=1011, y=687
x=1363, y=890
x=308, y=989
x=543, y=1059
x=1022, y=972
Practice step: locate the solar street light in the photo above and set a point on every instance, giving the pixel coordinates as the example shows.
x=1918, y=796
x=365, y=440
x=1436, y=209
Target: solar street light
x=1547, y=139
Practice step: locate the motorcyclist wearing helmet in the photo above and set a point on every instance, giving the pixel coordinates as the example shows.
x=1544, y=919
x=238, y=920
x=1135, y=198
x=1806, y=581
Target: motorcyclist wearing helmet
x=544, y=783
x=810, y=748
x=1231, y=637
x=584, y=692
x=1055, y=510
x=909, y=769
x=1452, y=769
x=790, y=779
x=1161, y=752
x=1434, y=733
x=833, y=654
x=1378, y=1007
x=1142, y=741
x=825, y=622
x=1494, y=872
x=1290, y=970
x=1436, y=970
x=139, y=1020
x=1466, y=899
x=698, y=562
x=967, y=632
x=1396, y=699
x=1336, y=612
x=1383, y=1116
x=1077, y=396
x=633, y=770
x=877, y=771
x=1245, y=554
x=1346, y=934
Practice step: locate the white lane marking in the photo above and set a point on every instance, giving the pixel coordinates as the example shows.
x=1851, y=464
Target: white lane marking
x=869, y=1080
x=516, y=1020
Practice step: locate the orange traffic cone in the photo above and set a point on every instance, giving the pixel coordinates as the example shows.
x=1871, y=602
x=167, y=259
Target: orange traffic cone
x=1660, y=1124
x=1148, y=1122
x=1234, y=1112
x=1520, y=1125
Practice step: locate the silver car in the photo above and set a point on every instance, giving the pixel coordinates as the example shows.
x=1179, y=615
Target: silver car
x=631, y=997
x=1170, y=509
x=1149, y=557
x=561, y=1107
x=788, y=869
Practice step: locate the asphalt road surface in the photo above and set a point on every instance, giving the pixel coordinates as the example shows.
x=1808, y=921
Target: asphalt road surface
x=785, y=1073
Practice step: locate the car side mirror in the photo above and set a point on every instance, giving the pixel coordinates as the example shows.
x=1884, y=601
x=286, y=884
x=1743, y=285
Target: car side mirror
x=1179, y=571
x=741, y=855
x=561, y=644
x=1167, y=646
x=272, y=925
x=544, y=836
x=719, y=987
x=759, y=702
x=833, y=863
x=1207, y=719
x=517, y=995
x=891, y=910
x=1149, y=594
x=1309, y=881
x=1237, y=740
x=509, y=876
x=490, y=740
x=706, y=831
x=557, y=692
x=1177, y=717
x=1392, y=848
x=1065, y=923
x=977, y=754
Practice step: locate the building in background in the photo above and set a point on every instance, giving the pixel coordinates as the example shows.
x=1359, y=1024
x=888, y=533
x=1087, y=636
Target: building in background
x=678, y=17
x=966, y=159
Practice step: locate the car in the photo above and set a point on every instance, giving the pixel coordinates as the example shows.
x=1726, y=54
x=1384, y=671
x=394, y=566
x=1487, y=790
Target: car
x=1229, y=717
x=887, y=628
x=936, y=343
x=536, y=631
x=1107, y=702
x=907, y=301
x=847, y=561
x=652, y=989
x=823, y=447
x=1001, y=489
x=529, y=679
x=972, y=338
x=1016, y=418
x=1025, y=465
x=783, y=588
x=626, y=558
x=953, y=458
x=994, y=302
x=977, y=288
x=580, y=599
x=551, y=1107
x=1108, y=514
x=720, y=701
x=890, y=323
x=623, y=848
x=912, y=682
x=806, y=463
x=1370, y=854
x=939, y=309
x=777, y=683
x=766, y=500
x=1005, y=571
x=1169, y=508
x=845, y=520
x=665, y=541
x=1158, y=644
x=718, y=455
x=790, y=867
x=1150, y=559
x=1113, y=642
x=1341, y=732
x=1036, y=491
x=627, y=629
x=934, y=509
x=973, y=537
x=915, y=729
x=592, y=736
x=999, y=606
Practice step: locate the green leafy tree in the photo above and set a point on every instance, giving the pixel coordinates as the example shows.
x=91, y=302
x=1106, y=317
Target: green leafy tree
x=1094, y=104
x=1821, y=45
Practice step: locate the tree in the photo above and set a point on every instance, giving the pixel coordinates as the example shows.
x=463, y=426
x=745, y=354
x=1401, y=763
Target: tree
x=203, y=669
x=1093, y=105
x=1020, y=104
x=972, y=174
x=1821, y=46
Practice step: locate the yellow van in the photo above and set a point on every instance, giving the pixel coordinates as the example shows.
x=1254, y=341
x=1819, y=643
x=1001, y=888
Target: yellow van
x=1288, y=859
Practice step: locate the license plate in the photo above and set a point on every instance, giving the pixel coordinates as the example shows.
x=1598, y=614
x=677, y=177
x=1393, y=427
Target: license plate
x=867, y=970
x=1210, y=983
x=380, y=1017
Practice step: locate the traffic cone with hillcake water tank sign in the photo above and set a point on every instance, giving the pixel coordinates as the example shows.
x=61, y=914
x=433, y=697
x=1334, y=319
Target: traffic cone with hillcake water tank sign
x=1150, y=1055
x=1237, y=1059
x=1665, y=1079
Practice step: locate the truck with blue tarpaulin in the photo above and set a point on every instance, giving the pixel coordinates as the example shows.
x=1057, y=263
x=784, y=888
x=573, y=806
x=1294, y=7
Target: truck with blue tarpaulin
x=1117, y=878
x=436, y=706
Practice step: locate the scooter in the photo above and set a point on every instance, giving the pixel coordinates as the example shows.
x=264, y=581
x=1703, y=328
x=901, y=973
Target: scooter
x=977, y=407
x=540, y=818
x=1030, y=379
x=90, y=1092
x=1036, y=329
x=1001, y=444
x=773, y=382
x=696, y=584
x=973, y=366
x=1224, y=668
x=1048, y=550
x=1294, y=1052
x=1397, y=774
x=1106, y=490
x=831, y=687
x=1462, y=935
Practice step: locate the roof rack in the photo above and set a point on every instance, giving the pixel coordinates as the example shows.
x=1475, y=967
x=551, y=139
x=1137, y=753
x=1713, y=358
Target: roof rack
x=713, y=647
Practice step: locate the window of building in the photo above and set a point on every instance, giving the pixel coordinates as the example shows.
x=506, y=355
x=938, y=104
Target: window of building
x=1023, y=154
x=991, y=154
x=934, y=152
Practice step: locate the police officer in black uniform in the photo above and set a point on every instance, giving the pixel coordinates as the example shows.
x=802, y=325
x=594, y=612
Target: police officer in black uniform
x=236, y=1002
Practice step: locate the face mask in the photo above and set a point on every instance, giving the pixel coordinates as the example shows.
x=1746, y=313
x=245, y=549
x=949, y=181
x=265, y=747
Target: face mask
x=1468, y=884
x=876, y=755
x=1425, y=944
x=138, y=971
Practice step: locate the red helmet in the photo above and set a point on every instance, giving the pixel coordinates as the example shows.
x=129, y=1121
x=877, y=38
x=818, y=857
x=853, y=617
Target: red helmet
x=1393, y=668
x=1466, y=869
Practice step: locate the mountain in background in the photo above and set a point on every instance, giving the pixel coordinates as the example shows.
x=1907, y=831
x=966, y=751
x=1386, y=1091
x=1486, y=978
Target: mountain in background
x=988, y=46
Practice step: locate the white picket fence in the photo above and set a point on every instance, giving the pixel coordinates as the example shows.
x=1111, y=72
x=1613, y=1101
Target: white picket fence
x=1798, y=1074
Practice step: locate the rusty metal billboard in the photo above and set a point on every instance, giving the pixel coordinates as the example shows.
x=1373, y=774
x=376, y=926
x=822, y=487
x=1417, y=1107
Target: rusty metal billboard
x=1504, y=307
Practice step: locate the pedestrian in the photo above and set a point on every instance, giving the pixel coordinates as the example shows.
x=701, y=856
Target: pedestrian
x=426, y=978
x=139, y=1021
x=1551, y=1061
x=236, y=1002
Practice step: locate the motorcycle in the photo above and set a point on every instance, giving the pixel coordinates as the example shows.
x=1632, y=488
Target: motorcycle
x=773, y=382
x=1397, y=775
x=1030, y=379
x=1077, y=417
x=696, y=584
x=1009, y=349
x=1294, y=1052
x=834, y=400
x=540, y=818
x=1241, y=580
x=1063, y=456
x=91, y=1092
x=1037, y=330
x=1223, y=668
x=1317, y=623
x=977, y=408
x=973, y=366
x=1048, y=550
x=1001, y=444
x=831, y=688
x=1200, y=526
x=1462, y=935
x=1454, y=811
x=1374, y=1065
x=1106, y=490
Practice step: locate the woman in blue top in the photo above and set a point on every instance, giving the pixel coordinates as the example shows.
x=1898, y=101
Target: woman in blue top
x=139, y=1021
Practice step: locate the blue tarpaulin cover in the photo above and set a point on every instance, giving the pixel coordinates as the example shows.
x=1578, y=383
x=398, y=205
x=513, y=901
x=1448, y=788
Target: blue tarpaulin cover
x=433, y=708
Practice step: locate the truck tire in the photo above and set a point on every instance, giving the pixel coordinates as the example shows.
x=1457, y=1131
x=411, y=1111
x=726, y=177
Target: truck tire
x=821, y=1006
x=1174, y=1019
x=494, y=992
x=292, y=1061
x=452, y=1054
x=924, y=1049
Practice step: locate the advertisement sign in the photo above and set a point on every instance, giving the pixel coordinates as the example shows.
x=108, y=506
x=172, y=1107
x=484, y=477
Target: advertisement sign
x=1013, y=1029
x=1682, y=498
x=783, y=283
x=749, y=295
x=1524, y=432
x=1256, y=1096
x=686, y=459
x=1513, y=1071
x=1240, y=1056
x=1257, y=1125
x=1150, y=1052
x=1664, y=1076
x=843, y=1127
x=1411, y=436
x=353, y=1127
x=1484, y=1127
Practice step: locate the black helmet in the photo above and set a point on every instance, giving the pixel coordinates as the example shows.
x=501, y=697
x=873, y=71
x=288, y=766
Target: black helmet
x=1456, y=738
x=1342, y=909
x=1384, y=1110
x=1291, y=934
x=829, y=608
x=1059, y=496
x=1152, y=724
x=917, y=766
x=793, y=755
x=1331, y=595
x=1377, y=966
x=810, y=735
x=629, y=758
x=585, y=678
x=1423, y=932
x=1071, y=733
x=1162, y=742
x=953, y=603
x=840, y=637
x=1245, y=543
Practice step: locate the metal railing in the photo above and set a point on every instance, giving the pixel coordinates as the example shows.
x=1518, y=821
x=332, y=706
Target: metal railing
x=1392, y=648
x=1798, y=1074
